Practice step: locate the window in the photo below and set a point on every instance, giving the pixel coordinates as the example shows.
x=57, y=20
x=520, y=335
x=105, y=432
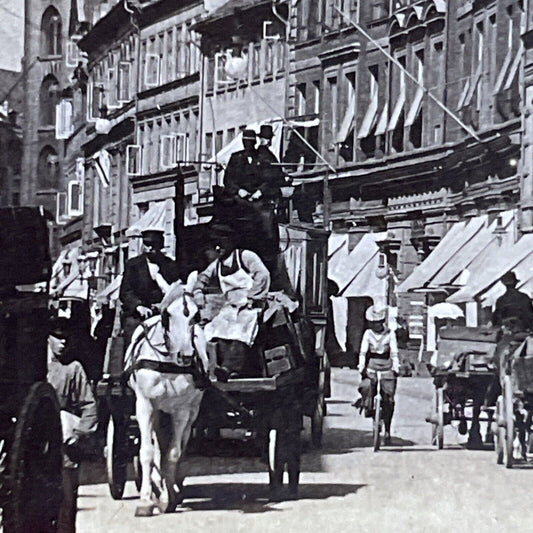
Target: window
x=219, y=141
x=299, y=105
x=182, y=147
x=316, y=96
x=269, y=57
x=256, y=60
x=151, y=70
x=96, y=100
x=124, y=80
x=48, y=100
x=478, y=62
x=51, y=33
x=48, y=168
x=208, y=145
x=345, y=134
x=168, y=151
x=370, y=117
x=75, y=199
x=316, y=17
x=74, y=54
x=64, y=123
x=231, y=135
x=333, y=95
x=396, y=123
x=170, y=55
x=133, y=160
x=111, y=87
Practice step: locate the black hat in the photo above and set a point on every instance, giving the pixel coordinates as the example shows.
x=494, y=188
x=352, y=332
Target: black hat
x=152, y=232
x=58, y=327
x=221, y=233
x=249, y=134
x=509, y=278
x=266, y=131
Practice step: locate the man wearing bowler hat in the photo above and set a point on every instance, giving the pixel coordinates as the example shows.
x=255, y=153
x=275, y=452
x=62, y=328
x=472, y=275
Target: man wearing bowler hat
x=242, y=179
x=514, y=308
x=145, y=281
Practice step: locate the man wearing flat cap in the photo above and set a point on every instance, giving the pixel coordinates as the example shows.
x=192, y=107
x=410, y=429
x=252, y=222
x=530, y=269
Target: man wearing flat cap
x=78, y=416
x=145, y=281
x=514, y=308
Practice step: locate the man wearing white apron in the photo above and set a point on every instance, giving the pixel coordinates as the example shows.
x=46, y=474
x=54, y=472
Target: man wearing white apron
x=244, y=281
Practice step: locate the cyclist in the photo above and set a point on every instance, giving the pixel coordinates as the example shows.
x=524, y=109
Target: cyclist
x=379, y=352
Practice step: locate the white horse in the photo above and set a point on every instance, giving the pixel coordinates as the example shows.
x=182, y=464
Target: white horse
x=157, y=359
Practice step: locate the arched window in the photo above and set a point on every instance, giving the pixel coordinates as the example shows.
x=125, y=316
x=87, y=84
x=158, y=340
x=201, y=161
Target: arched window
x=48, y=99
x=48, y=169
x=51, y=33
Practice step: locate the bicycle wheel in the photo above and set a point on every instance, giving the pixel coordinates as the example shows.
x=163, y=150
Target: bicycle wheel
x=378, y=421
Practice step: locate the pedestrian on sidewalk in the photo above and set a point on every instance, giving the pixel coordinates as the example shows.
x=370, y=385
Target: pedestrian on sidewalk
x=78, y=418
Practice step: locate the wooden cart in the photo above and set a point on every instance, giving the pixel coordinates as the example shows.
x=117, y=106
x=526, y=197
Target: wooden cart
x=30, y=425
x=462, y=374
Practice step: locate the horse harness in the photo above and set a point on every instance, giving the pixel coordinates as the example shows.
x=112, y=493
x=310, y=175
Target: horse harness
x=187, y=363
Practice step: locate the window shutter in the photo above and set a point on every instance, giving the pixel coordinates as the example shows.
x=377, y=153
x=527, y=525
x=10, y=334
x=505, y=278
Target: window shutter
x=64, y=125
x=75, y=199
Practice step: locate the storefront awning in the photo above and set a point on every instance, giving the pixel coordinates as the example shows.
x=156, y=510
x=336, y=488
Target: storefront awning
x=507, y=258
x=356, y=273
x=158, y=216
x=110, y=293
x=456, y=238
x=347, y=121
x=466, y=259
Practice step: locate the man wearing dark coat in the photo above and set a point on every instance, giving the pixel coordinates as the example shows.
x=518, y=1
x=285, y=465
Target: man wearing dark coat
x=242, y=178
x=513, y=305
x=271, y=172
x=144, y=281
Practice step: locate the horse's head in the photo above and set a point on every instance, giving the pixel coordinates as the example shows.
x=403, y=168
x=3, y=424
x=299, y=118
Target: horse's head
x=178, y=311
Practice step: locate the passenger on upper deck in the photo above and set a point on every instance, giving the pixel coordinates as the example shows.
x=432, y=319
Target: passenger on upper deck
x=244, y=282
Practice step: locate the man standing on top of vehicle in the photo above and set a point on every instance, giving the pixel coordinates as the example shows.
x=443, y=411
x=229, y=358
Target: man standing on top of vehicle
x=242, y=178
x=78, y=417
x=145, y=281
x=269, y=167
x=514, y=307
x=244, y=281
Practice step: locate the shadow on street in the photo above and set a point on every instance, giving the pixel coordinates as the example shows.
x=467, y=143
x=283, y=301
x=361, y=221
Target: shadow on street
x=253, y=497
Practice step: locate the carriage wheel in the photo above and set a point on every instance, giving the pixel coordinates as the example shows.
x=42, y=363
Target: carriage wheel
x=116, y=462
x=35, y=465
x=317, y=422
x=499, y=433
x=378, y=422
x=437, y=430
x=509, y=421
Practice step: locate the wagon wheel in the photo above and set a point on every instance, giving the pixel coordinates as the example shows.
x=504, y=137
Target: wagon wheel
x=378, y=422
x=437, y=429
x=508, y=413
x=317, y=422
x=499, y=433
x=35, y=463
x=116, y=461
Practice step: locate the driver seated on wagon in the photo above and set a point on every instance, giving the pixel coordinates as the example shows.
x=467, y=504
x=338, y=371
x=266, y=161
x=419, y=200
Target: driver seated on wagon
x=244, y=282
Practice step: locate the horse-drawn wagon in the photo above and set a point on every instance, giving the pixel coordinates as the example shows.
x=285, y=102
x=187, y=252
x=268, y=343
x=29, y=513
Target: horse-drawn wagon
x=30, y=425
x=464, y=371
x=294, y=380
x=514, y=407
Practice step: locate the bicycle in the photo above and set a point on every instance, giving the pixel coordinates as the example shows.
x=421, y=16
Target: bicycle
x=378, y=422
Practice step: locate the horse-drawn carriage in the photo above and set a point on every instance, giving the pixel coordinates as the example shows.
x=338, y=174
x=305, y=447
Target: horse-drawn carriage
x=514, y=407
x=294, y=380
x=464, y=371
x=30, y=425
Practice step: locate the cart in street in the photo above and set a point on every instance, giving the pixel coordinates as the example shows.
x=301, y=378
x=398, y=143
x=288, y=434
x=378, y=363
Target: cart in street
x=463, y=372
x=30, y=426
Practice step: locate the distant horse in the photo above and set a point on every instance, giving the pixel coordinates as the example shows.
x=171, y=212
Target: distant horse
x=161, y=360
